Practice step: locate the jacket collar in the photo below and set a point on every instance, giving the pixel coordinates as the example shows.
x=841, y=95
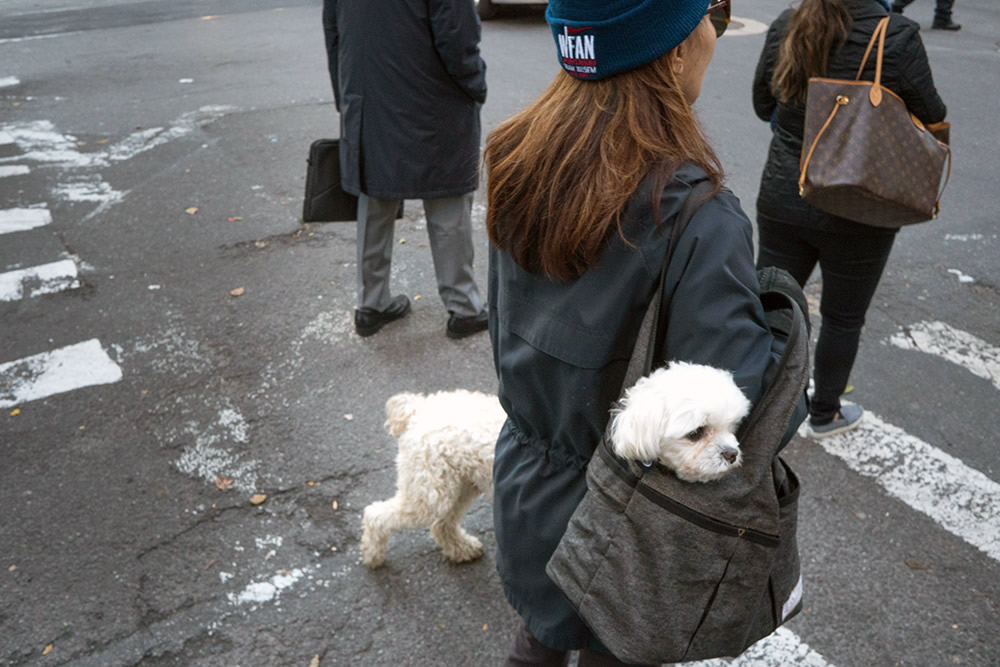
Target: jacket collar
x=866, y=9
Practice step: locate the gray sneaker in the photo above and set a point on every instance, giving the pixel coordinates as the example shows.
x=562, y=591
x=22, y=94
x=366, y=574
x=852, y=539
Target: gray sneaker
x=848, y=418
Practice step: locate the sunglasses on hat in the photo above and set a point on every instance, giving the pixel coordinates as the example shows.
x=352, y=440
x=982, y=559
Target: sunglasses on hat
x=718, y=13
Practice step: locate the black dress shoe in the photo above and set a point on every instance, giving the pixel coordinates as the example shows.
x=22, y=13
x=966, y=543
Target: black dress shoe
x=460, y=327
x=946, y=25
x=368, y=321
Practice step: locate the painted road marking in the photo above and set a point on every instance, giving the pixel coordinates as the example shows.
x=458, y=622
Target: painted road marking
x=8, y=81
x=957, y=346
x=21, y=219
x=37, y=280
x=14, y=170
x=58, y=371
x=6, y=138
x=776, y=650
x=962, y=500
x=744, y=26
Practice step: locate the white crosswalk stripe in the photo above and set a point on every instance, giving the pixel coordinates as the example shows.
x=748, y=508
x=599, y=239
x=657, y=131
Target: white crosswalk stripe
x=22, y=219
x=37, y=280
x=781, y=649
x=955, y=345
x=14, y=170
x=55, y=372
x=963, y=501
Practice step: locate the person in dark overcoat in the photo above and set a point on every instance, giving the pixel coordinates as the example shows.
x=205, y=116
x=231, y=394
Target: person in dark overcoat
x=409, y=82
x=797, y=236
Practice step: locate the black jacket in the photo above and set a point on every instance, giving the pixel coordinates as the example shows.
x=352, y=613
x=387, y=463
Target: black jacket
x=905, y=71
x=561, y=350
x=408, y=82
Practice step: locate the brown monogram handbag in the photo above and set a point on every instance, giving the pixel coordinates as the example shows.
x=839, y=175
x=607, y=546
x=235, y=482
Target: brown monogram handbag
x=865, y=157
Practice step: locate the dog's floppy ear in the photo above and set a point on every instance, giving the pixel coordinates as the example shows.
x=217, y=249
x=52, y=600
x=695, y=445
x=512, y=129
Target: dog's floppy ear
x=636, y=429
x=398, y=410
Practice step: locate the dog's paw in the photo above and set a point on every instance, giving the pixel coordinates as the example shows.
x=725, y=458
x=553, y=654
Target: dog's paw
x=464, y=550
x=372, y=549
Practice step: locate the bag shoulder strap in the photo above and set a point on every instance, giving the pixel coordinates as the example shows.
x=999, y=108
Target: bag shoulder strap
x=878, y=34
x=655, y=320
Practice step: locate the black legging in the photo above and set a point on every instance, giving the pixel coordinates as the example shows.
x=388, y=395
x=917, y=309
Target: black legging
x=942, y=10
x=851, y=266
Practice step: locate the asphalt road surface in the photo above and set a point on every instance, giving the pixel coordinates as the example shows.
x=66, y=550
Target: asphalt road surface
x=173, y=341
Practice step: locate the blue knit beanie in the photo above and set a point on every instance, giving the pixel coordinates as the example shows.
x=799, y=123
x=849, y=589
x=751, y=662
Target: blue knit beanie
x=598, y=38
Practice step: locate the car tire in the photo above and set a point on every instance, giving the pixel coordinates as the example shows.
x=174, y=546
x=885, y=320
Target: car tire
x=487, y=9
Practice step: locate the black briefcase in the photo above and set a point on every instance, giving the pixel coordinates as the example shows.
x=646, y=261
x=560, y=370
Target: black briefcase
x=325, y=200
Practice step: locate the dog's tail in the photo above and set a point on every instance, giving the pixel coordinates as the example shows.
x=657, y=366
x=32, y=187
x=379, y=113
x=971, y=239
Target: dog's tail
x=398, y=411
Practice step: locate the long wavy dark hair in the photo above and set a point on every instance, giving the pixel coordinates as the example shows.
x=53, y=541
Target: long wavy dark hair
x=817, y=29
x=561, y=171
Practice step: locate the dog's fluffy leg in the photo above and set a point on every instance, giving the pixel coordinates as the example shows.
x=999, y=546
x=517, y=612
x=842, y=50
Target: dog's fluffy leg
x=382, y=519
x=456, y=544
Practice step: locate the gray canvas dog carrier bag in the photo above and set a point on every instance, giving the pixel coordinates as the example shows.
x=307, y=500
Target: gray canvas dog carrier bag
x=664, y=570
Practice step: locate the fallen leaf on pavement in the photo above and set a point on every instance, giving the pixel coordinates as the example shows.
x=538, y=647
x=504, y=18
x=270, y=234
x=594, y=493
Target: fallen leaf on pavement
x=239, y=291
x=311, y=483
x=334, y=504
x=191, y=210
x=47, y=650
x=261, y=244
x=314, y=662
x=12, y=568
x=223, y=483
x=15, y=412
x=258, y=498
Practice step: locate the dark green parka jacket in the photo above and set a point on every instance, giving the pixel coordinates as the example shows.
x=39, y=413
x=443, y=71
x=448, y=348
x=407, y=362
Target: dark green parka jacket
x=561, y=350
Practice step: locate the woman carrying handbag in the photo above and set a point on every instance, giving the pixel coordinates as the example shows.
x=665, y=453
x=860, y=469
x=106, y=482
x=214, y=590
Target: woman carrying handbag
x=583, y=188
x=828, y=38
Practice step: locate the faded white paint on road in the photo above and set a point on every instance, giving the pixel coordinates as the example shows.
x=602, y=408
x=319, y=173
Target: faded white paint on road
x=216, y=450
x=22, y=219
x=41, y=142
x=957, y=346
x=49, y=373
x=14, y=170
x=963, y=501
x=265, y=591
x=8, y=81
x=781, y=649
x=37, y=280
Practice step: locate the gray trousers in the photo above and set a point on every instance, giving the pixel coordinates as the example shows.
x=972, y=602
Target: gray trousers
x=449, y=226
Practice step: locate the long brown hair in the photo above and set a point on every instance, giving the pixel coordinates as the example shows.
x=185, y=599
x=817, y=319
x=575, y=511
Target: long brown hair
x=561, y=171
x=816, y=30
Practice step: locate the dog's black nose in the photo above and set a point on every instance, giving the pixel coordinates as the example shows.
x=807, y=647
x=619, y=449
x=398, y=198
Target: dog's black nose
x=730, y=455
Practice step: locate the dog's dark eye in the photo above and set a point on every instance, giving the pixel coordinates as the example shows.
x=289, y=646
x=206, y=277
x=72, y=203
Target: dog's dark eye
x=696, y=434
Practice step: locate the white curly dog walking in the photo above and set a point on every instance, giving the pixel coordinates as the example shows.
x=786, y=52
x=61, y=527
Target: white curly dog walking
x=445, y=461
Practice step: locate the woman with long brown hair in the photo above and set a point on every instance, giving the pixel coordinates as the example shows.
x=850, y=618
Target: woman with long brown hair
x=828, y=38
x=583, y=187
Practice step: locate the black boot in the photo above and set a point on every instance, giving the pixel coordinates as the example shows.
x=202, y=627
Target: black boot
x=946, y=25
